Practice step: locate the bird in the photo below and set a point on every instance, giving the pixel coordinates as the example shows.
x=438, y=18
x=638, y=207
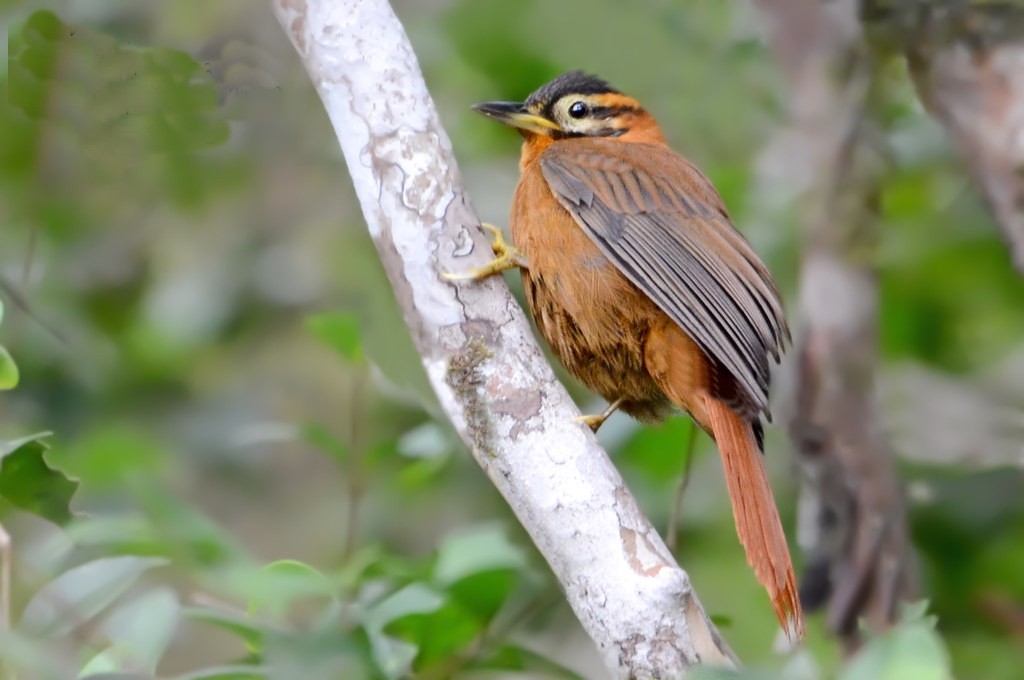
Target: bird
x=645, y=291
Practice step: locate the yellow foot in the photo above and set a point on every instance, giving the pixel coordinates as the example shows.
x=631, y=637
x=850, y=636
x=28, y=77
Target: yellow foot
x=507, y=258
x=595, y=422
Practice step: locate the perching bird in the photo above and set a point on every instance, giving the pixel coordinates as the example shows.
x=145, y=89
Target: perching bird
x=646, y=292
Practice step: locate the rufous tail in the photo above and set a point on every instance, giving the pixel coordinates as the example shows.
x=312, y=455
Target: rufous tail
x=757, y=518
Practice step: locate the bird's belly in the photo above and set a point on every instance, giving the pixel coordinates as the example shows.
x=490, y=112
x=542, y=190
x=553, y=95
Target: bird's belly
x=595, y=320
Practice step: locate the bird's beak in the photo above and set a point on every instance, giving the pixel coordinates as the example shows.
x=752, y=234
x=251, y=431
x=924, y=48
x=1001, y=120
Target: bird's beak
x=514, y=114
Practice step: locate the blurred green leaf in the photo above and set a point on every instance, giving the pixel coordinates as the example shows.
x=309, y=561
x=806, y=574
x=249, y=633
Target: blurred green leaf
x=916, y=612
x=321, y=437
x=28, y=482
x=329, y=652
x=139, y=631
x=280, y=584
x=439, y=635
x=249, y=630
x=395, y=656
x=721, y=620
x=236, y=672
x=110, y=453
x=120, y=122
x=188, y=536
x=429, y=440
x=660, y=452
x=9, y=375
x=416, y=598
x=512, y=657
x=82, y=592
x=116, y=533
x=340, y=331
x=479, y=567
x=910, y=651
x=470, y=551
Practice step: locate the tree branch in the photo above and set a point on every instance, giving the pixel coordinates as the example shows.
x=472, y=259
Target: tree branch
x=489, y=374
x=967, y=62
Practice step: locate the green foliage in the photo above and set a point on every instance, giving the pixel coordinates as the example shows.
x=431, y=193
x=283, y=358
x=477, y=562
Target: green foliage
x=912, y=650
x=82, y=592
x=97, y=104
x=340, y=331
x=29, y=483
x=9, y=375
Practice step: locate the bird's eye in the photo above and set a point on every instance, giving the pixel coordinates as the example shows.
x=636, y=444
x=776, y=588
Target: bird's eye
x=578, y=110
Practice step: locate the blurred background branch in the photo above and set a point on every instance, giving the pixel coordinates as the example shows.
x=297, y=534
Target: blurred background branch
x=967, y=63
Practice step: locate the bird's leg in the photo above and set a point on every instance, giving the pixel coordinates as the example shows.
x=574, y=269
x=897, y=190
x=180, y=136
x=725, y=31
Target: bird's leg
x=595, y=422
x=507, y=258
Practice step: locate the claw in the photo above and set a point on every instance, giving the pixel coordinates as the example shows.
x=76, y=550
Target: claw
x=594, y=422
x=507, y=258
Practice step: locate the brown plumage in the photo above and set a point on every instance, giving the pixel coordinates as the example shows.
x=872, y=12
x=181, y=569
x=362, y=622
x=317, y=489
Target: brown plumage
x=646, y=292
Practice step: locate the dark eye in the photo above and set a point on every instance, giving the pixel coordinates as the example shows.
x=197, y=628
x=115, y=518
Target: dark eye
x=578, y=110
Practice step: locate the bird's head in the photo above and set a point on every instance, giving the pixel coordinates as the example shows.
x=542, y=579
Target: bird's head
x=574, y=104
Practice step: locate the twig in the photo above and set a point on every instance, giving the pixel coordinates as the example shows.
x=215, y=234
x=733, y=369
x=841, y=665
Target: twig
x=684, y=481
x=356, y=471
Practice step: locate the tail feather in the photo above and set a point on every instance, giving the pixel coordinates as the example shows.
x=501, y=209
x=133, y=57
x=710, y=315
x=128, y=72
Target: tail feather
x=757, y=518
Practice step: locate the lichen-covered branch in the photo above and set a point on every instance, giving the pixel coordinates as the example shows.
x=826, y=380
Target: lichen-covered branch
x=489, y=374
x=852, y=516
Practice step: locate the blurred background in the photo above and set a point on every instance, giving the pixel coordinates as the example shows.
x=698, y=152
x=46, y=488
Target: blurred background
x=246, y=467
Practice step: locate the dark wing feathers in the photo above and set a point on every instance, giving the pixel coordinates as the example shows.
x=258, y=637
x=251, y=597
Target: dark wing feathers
x=669, y=234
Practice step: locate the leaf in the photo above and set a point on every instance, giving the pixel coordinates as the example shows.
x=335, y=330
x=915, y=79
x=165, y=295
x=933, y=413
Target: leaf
x=426, y=441
x=82, y=592
x=330, y=652
x=721, y=620
x=911, y=651
x=9, y=375
x=801, y=665
x=235, y=623
x=321, y=437
x=340, y=331
x=415, y=598
x=395, y=656
x=21, y=656
x=480, y=567
x=914, y=612
x=281, y=583
x=28, y=482
x=105, y=664
x=140, y=631
x=128, y=533
x=660, y=452
x=8, y=369
x=475, y=550
x=7, y=447
x=235, y=672
x=513, y=657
